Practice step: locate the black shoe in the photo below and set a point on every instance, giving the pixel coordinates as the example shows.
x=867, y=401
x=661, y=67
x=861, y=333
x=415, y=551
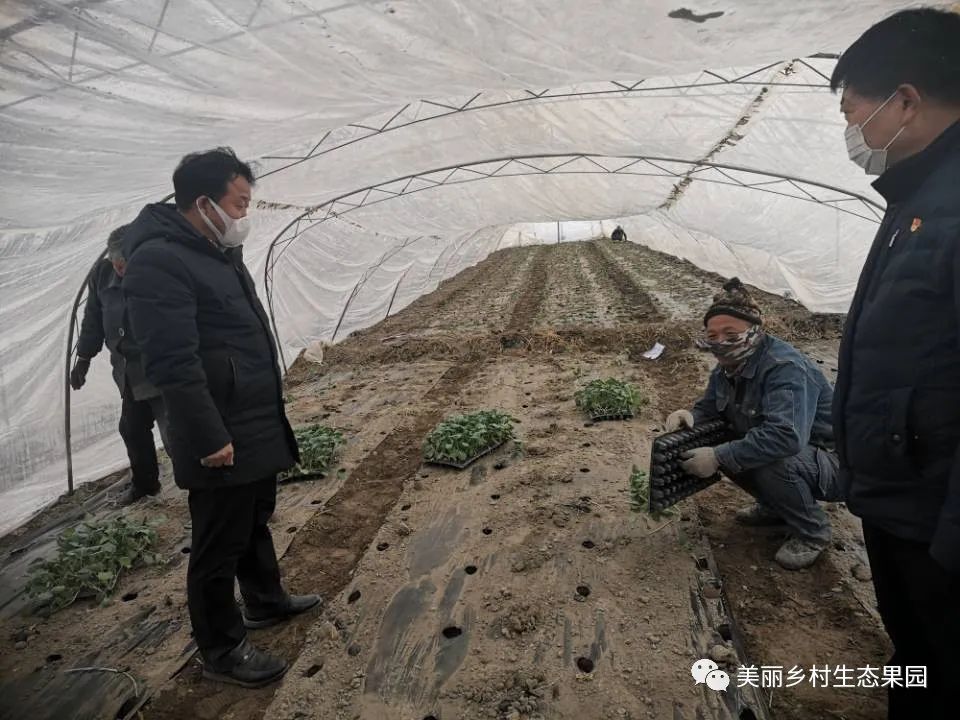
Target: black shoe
x=132, y=494
x=246, y=666
x=294, y=605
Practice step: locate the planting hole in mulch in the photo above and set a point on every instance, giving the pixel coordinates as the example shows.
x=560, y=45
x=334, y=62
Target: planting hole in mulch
x=354, y=596
x=316, y=502
x=585, y=665
x=588, y=544
x=313, y=670
x=586, y=444
x=487, y=531
x=584, y=470
x=431, y=717
x=470, y=569
x=185, y=550
x=405, y=507
x=495, y=496
x=452, y=632
x=583, y=591
x=724, y=630
x=292, y=529
x=747, y=714
x=585, y=498
x=702, y=564
x=383, y=546
x=130, y=596
x=524, y=406
x=54, y=657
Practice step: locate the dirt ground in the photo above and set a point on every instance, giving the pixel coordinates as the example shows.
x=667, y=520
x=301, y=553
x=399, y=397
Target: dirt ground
x=487, y=593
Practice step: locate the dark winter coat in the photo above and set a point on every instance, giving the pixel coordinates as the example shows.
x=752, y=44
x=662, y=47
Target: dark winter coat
x=207, y=345
x=105, y=323
x=897, y=401
x=777, y=405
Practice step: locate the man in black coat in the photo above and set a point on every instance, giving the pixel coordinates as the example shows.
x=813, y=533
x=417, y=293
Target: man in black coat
x=897, y=400
x=207, y=345
x=619, y=235
x=105, y=323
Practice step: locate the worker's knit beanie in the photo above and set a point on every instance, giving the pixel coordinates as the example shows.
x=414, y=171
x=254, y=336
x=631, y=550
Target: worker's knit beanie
x=734, y=300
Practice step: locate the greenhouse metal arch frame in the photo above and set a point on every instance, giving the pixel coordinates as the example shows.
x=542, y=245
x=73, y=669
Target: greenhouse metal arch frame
x=428, y=110
x=521, y=167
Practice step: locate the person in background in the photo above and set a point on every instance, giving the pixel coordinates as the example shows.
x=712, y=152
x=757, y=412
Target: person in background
x=105, y=323
x=619, y=234
x=778, y=405
x=207, y=345
x=897, y=404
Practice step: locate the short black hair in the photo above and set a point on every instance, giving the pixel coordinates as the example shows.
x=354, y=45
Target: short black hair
x=918, y=47
x=115, y=242
x=207, y=174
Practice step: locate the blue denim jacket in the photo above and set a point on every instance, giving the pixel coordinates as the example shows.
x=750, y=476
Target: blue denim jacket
x=778, y=404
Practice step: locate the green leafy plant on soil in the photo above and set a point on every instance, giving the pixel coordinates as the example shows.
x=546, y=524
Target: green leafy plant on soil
x=319, y=446
x=610, y=398
x=640, y=495
x=90, y=558
x=463, y=437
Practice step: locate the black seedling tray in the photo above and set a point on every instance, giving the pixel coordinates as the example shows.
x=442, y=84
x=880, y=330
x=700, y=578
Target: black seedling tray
x=468, y=461
x=669, y=484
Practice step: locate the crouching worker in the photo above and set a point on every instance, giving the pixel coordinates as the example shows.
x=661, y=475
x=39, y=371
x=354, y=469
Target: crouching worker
x=778, y=405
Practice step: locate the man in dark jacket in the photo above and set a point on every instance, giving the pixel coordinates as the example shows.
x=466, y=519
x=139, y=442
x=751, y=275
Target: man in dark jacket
x=778, y=405
x=897, y=402
x=105, y=322
x=207, y=345
x=619, y=235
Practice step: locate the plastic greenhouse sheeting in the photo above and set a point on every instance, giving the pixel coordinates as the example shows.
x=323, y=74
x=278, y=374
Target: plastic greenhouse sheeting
x=100, y=98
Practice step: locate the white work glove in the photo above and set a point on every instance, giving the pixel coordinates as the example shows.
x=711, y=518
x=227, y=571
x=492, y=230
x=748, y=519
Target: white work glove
x=679, y=419
x=701, y=461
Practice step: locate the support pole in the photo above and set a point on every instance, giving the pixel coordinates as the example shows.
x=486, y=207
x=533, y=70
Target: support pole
x=394, y=295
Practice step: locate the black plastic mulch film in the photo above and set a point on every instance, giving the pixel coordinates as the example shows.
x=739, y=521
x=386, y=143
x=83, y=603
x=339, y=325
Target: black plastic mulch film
x=669, y=484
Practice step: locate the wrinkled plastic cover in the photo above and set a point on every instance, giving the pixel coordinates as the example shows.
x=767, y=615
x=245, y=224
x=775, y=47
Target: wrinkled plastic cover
x=100, y=98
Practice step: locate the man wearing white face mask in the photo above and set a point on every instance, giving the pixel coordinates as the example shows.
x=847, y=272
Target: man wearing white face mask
x=207, y=346
x=896, y=406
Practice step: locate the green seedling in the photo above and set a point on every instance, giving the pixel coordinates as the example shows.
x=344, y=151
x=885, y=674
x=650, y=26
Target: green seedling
x=609, y=398
x=640, y=495
x=319, y=446
x=461, y=438
x=90, y=558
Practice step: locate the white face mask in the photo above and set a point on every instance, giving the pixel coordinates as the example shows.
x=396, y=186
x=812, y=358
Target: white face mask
x=235, y=229
x=874, y=162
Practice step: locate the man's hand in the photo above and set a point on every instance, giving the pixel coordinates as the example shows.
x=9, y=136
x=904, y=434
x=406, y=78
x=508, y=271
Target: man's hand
x=679, y=419
x=78, y=376
x=222, y=457
x=701, y=462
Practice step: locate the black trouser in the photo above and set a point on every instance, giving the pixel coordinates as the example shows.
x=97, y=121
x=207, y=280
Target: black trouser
x=231, y=540
x=920, y=606
x=136, y=429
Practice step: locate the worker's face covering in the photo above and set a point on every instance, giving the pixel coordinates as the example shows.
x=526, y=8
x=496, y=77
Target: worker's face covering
x=733, y=350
